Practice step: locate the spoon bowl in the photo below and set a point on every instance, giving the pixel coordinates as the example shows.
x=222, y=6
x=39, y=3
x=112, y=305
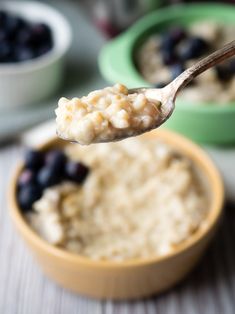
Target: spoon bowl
x=163, y=95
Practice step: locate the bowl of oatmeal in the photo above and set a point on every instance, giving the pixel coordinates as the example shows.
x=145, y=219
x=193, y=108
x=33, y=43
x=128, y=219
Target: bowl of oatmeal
x=161, y=46
x=113, y=222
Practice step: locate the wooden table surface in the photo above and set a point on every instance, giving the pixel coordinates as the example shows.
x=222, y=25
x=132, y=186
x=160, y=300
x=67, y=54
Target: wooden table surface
x=24, y=289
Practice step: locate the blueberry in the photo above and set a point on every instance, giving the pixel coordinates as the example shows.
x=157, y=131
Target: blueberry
x=56, y=159
x=13, y=24
x=23, y=53
x=169, y=57
x=177, y=34
x=43, y=49
x=223, y=72
x=232, y=66
x=41, y=33
x=28, y=195
x=167, y=42
x=5, y=51
x=26, y=177
x=176, y=70
x=24, y=36
x=34, y=159
x=160, y=85
x=3, y=16
x=172, y=38
x=3, y=35
x=48, y=176
x=193, y=48
x=76, y=171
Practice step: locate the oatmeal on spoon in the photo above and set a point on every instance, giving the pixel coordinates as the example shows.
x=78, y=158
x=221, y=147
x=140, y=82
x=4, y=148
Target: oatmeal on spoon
x=115, y=113
x=106, y=115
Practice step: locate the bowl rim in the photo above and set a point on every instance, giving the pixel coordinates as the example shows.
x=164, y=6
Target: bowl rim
x=130, y=37
x=46, y=59
x=189, y=148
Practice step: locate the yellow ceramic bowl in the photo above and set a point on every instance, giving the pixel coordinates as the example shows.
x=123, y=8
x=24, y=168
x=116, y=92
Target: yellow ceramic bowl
x=131, y=279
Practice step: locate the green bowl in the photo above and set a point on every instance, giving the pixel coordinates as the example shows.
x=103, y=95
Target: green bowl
x=203, y=122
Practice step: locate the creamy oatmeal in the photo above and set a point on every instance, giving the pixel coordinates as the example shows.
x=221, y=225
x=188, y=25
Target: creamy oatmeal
x=160, y=60
x=141, y=199
x=105, y=115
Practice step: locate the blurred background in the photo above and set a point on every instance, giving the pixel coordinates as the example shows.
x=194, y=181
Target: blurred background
x=50, y=49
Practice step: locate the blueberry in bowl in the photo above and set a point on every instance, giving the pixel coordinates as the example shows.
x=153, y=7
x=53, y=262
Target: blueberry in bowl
x=45, y=169
x=34, y=41
x=23, y=39
x=165, y=54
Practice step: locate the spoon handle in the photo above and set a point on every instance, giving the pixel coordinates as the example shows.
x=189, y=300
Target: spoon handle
x=201, y=66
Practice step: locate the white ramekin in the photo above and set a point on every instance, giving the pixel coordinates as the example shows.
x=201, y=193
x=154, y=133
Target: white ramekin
x=31, y=81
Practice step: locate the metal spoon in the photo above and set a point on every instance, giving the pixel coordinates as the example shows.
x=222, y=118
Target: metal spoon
x=167, y=95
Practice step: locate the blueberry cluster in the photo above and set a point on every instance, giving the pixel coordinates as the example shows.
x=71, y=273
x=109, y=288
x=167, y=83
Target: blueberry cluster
x=177, y=47
x=21, y=40
x=43, y=170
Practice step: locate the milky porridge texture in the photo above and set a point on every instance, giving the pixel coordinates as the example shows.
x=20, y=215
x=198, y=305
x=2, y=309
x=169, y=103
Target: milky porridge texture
x=209, y=87
x=104, y=115
x=140, y=199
